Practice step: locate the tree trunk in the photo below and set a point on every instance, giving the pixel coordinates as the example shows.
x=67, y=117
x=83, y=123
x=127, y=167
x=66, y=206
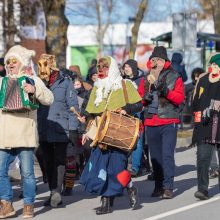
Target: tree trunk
x=57, y=24
x=102, y=28
x=138, y=19
x=8, y=24
x=217, y=17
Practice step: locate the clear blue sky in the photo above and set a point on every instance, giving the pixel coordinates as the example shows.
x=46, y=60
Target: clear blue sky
x=158, y=10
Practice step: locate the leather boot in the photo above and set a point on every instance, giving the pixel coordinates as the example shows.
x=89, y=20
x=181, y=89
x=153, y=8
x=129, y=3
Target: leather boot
x=132, y=193
x=112, y=198
x=6, y=210
x=105, y=207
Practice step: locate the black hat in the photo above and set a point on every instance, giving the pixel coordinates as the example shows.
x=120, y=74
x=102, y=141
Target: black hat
x=161, y=52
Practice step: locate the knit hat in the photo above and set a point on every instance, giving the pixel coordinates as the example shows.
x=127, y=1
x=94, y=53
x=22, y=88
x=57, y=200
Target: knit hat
x=161, y=52
x=21, y=53
x=215, y=59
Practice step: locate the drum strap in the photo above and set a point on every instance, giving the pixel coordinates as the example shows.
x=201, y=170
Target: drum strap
x=125, y=91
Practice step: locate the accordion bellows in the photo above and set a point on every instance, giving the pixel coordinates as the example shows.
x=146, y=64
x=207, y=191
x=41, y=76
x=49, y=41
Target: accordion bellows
x=13, y=98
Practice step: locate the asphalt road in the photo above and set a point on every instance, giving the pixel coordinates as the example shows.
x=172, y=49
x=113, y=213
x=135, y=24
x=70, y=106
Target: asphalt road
x=182, y=207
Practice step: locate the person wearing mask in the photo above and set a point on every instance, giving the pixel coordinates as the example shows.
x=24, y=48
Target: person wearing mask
x=57, y=125
x=206, y=132
x=19, y=130
x=163, y=93
x=106, y=171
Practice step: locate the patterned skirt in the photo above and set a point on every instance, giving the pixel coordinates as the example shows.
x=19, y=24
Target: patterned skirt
x=106, y=172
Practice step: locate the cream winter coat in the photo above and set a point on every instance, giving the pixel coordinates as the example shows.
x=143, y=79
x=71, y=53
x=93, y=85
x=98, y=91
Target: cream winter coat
x=20, y=129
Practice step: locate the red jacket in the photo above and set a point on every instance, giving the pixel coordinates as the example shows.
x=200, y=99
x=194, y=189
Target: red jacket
x=176, y=96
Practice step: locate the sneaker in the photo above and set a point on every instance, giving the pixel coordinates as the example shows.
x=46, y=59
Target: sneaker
x=6, y=209
x=158, y=192
x=167, y=194
x=202, y=195
x=28, y=211
x=47, y=202
x=55, y=199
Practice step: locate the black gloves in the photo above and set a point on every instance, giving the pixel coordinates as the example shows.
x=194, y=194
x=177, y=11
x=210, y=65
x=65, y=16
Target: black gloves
x=206, y=116
x=162, y=88
x=74, y=136
x=148, y=97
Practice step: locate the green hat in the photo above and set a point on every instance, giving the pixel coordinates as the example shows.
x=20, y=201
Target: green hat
x=215, y=59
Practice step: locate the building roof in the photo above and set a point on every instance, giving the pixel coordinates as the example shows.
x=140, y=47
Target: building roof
x=117, y=34
x=167, y=37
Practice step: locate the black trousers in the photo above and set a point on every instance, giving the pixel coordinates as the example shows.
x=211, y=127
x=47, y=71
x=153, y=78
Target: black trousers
x=204, y=156
x=55, y=157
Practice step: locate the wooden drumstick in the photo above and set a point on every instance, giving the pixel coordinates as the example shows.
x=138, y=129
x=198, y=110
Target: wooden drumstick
x=72, y=109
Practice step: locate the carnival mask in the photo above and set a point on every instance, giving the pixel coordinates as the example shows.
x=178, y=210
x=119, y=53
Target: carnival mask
x=46, y=64
x=157, y=65
x=214, y=73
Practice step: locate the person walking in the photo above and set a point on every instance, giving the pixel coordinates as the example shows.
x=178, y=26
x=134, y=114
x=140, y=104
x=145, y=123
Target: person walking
x=106, y=172
x=18, y=132
x=56, y=125
x=163, y=93
x=206, y=133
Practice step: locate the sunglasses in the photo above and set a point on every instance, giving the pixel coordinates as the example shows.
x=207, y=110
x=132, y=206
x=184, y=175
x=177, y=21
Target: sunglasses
x=12, y=60
x=102, y=67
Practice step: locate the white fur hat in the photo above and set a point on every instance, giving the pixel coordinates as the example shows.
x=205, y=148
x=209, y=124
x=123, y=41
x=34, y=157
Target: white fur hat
x=21, y=53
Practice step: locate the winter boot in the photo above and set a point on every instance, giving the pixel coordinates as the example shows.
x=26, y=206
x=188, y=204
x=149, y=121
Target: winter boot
x=28, y=211
x=6, y=209
x=105, y=207
x=132, y=193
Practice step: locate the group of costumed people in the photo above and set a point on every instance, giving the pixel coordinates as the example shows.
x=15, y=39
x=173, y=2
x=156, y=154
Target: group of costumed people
x=161, y=94
x=206, y=133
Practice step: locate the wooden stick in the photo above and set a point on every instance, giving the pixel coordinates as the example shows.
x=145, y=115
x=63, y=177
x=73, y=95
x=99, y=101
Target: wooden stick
x=72, y=109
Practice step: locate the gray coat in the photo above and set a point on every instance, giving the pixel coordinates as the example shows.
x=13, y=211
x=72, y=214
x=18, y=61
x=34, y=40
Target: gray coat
x=54, y=123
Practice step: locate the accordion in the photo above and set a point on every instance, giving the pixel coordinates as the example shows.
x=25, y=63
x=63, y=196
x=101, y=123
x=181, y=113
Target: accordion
x=13, y=98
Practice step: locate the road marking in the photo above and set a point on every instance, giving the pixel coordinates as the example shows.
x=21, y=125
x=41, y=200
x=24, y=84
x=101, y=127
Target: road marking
x=175, y=211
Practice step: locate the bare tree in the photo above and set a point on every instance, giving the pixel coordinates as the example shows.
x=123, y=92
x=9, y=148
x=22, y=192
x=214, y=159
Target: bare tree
x=102, y=28
x=29, y=11
x=57, y=24
x=9, y=28
x=211, y=8
x=99, y=11
x=138, y=19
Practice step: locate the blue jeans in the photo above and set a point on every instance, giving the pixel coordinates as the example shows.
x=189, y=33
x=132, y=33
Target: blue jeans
x=26, y=157
x=137, y=154
x=162, y=143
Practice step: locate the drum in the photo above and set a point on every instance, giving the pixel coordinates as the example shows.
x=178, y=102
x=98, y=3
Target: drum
x=117, y=130
x=12, y=96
